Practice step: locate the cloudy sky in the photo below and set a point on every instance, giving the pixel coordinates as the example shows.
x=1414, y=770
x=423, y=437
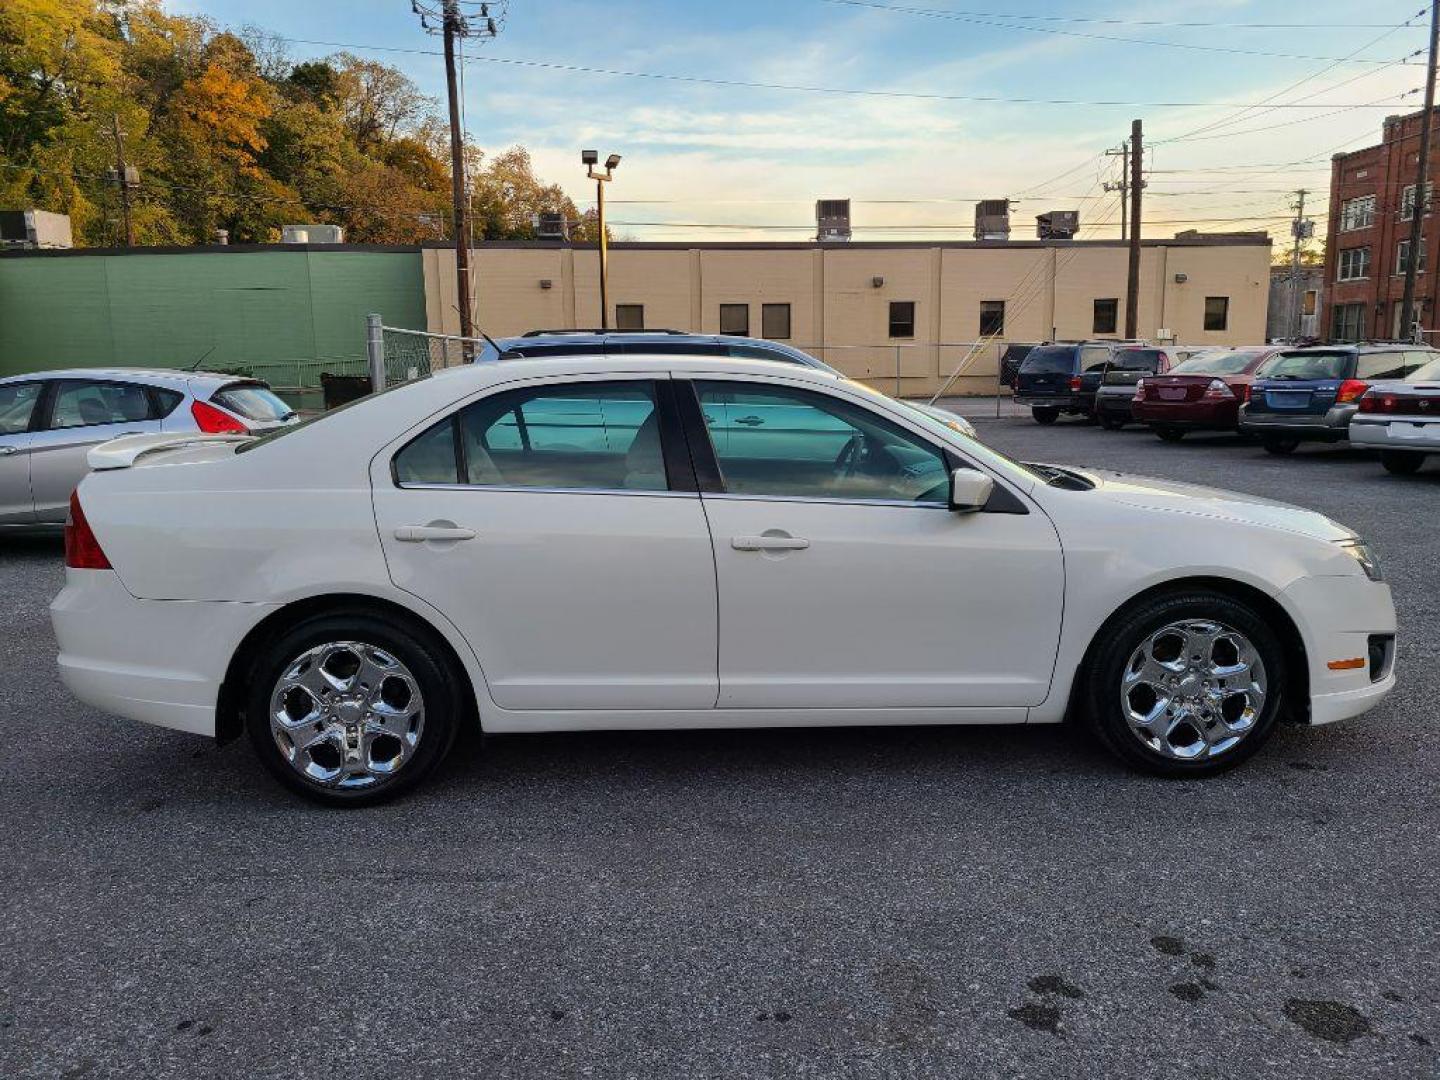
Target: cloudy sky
x=916, y=148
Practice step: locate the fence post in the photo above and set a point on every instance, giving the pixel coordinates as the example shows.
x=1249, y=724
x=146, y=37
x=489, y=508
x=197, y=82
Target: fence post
x=375, y=351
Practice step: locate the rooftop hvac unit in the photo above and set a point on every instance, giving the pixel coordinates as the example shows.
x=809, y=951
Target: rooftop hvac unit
x=1058, y=225
x=992, y=219
x=28, y=229
x=312, y=234
x=551, y=226
x=832, y=220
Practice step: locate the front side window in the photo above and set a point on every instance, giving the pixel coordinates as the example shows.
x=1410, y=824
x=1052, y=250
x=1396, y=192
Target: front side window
x=1107, y=314
x=17, y=406
x=992, y=318
x=902, y=318
x=629, y=316
x=775, y=321
x=1217, y=312
x=1354, y=263
x=598, y=436
x=787, y=442
x=735, y=319
x=80, y=403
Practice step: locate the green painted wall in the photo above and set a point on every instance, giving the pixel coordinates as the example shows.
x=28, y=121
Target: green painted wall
x=284, y=314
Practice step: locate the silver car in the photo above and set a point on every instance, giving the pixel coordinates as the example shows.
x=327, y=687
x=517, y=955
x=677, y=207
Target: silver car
x=49, y=421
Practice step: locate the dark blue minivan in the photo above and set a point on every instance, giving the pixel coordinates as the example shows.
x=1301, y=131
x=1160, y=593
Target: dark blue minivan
x=1311, y=394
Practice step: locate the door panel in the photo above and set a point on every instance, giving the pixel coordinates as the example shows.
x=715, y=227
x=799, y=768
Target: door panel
x=17, y=506
x=83, y=414
x=887, y=606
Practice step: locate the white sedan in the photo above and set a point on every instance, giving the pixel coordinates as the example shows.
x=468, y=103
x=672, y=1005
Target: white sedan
x=1401, y=420
x=687, y=542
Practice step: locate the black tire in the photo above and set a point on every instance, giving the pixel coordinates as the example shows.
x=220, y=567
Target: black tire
x=1106, y=664
x=1280, y=447
x=1401, y=462
x=413, y=645
x=1110, y=423
x=1045, y=416
x=1170, y=434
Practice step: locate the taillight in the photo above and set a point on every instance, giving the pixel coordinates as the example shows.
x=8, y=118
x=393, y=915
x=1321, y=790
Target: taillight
x=1352, y=390
x=214, y=422
x=1377, y=402
x=1074, y=382
x=1249, y=392
x=1139, y=390
x=1218, y=391
x=82, y=550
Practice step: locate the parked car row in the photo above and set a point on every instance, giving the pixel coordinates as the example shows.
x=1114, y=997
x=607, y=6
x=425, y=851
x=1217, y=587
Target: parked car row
x=1384, y=396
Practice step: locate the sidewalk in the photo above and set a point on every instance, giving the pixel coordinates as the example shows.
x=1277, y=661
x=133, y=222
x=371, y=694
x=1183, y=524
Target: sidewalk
x=983, y=408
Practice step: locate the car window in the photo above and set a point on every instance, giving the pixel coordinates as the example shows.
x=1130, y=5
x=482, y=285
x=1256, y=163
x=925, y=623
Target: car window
x=783, y=441
x=1215, y=363
x=588, y=436
x=1429, y=373
x=1419, y=358
x=80, y=403
x=1383, y=365
x=253, y=401
x=166, y=401
x=1307, y=365
x=1049, y=360
x=1138, y=359
x=1094, y=357
x=17, y=406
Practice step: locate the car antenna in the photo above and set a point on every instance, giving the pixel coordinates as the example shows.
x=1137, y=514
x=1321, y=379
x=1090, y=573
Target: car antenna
x=500, y=353
x=202, y=358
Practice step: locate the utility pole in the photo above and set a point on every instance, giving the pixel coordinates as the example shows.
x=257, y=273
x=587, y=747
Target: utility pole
x=1123, y=184
x=1301, y=229
x=451, y=24
x=1408, y=320
x=1132, y=283
x=124, y=177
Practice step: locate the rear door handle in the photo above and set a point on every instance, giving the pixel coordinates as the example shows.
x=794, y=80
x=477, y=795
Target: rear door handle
x=750, y=421
x=769, y=543
x=418, y=534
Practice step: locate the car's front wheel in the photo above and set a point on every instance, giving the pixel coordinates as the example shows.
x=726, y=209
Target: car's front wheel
x=1401, y=462
x=352, y=709
x=1185, y=685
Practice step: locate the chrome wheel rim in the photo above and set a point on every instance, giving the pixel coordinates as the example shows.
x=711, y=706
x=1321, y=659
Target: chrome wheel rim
x=347, y=715
x=1193, y=690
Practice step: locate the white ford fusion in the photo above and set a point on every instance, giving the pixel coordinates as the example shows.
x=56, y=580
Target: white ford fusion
x=685, y=542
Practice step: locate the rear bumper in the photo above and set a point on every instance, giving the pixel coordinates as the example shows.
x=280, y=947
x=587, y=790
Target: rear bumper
x=1331, y=426
x=157, y=661
x=1115, y=404
x=1416, y=434
x=1217, y=415
x=1063, y=402
x=1337, y=617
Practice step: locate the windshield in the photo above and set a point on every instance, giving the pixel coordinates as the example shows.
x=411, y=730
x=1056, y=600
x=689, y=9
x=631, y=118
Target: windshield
x=1307, y=365
x=253, y=401
x=1215, y=363
x=1049, y=360
x=1137, y=359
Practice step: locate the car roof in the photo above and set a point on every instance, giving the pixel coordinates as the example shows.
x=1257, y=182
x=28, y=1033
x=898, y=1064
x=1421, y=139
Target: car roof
x=165, y=376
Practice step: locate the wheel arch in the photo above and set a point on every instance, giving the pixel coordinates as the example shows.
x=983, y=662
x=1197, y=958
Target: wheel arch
x=1297, y=668
x=230, y=704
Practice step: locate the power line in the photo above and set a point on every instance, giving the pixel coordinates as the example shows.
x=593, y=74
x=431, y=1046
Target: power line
x=1107, y=21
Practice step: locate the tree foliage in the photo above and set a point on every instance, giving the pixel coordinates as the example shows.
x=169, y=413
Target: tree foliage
x=230, y=132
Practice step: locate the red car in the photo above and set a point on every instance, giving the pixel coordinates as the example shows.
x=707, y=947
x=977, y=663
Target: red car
x=1202, y=394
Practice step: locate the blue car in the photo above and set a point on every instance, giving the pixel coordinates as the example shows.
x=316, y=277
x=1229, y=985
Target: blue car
x=1311, y=394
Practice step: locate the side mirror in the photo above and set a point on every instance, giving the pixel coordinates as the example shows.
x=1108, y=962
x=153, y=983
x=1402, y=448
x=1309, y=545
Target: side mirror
x=970, y=490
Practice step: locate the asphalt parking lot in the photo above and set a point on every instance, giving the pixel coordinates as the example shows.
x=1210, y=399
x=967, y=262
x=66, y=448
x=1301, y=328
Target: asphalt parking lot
x=868, y=903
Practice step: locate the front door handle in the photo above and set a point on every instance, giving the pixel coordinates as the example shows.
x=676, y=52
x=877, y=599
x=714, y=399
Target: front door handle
x=769, y=543
x=419, y=534
x=6, y=451
x=750, y=421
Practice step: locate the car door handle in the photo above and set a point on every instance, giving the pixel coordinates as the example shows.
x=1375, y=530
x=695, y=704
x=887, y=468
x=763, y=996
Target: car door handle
x=6, y=451
x=418, y=534
x=769, y=543
x=750, y=421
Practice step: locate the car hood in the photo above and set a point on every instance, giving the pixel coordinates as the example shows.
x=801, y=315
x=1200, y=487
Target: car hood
x=1171, y=496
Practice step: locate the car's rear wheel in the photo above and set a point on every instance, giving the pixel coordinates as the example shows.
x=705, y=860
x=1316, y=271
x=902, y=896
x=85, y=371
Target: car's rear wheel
x=1280, y=447
x=351, y=709
x=1170, y=434
x=1110, y=423
x=1185, y=685
x=1045, y=416
x=1401, y=462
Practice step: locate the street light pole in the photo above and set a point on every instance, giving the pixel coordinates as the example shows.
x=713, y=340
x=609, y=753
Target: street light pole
x=591, y=159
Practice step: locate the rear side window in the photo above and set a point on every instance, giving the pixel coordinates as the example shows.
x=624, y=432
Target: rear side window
x=1095, y=358
x=166, y=401
x=82, y=403
x=17, y=406
x=1310, y=365
x=597, y=436
x=1049, y=360
x=253, y=401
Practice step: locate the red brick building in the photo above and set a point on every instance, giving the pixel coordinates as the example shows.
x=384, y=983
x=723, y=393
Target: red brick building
x=1372, y=198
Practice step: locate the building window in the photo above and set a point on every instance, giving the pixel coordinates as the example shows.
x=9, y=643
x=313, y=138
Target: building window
x=1357, y=213
x=1354, y=264
x=992, y=318
x=735, y=319
x=1347, y=322
x=629, y=316
x=1407, y=200
x=775, y=321
x=1402, y=257
x=1217, y=312
x=902, y=318
x=1311, y=302
x=1107, y=315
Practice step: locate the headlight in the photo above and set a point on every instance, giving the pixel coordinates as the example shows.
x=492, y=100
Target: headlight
x=1365, y=556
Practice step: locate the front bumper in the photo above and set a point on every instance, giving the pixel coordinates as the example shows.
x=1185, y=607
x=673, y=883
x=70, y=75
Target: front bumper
x=1337, y=617
x=1396, y=433
x=157, y=661
x=1331, y=426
